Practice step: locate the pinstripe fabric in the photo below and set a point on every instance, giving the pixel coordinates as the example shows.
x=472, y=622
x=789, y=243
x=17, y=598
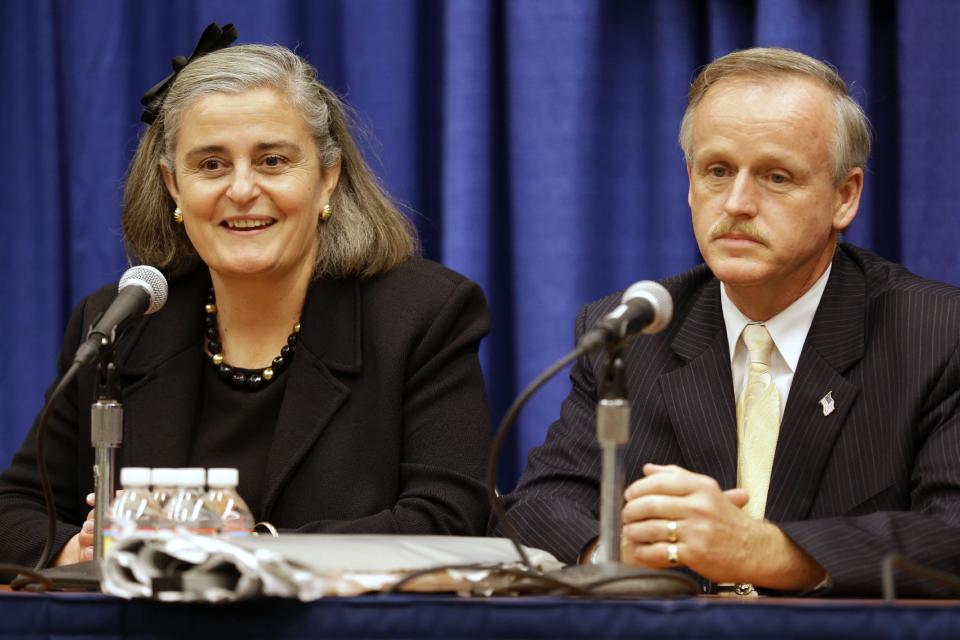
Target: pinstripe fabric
x=880, y=473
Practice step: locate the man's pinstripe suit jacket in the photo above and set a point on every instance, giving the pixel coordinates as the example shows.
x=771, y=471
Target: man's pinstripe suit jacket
x=879, y=474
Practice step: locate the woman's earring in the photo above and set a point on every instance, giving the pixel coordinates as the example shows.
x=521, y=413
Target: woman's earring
x=327, y=212
x=178, y=216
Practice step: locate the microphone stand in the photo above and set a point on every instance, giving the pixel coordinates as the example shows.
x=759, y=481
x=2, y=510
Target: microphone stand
x=106, y=436
x=613, y=432
x=604, y=575
x=608, y=576
x=142, y=289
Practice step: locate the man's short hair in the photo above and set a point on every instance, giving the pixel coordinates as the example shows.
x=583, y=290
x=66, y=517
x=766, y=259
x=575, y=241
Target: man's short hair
x=851, y=140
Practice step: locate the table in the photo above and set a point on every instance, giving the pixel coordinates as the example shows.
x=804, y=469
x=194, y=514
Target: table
x=65, y=616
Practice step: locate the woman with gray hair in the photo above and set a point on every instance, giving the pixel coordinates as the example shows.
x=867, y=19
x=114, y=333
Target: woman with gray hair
x=303, y=341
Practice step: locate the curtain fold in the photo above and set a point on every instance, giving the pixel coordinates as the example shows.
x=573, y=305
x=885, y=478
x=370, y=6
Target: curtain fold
x=532, y=142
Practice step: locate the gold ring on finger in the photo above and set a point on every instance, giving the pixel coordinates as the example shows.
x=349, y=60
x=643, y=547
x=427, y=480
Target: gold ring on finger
x=673, y=555
x=671, y=531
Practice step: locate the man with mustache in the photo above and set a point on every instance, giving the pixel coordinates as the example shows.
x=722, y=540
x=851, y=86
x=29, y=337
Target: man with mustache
x=798, y=420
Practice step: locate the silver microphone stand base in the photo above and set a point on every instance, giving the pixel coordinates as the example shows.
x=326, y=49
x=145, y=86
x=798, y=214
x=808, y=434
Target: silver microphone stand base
x=614, y=580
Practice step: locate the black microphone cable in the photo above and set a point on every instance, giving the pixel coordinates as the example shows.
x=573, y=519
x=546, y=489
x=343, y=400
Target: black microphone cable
x=32, y=575
x=42, y=465
x=496, y=448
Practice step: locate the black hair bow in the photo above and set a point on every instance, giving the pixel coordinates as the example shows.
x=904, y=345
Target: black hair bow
x=212, y=39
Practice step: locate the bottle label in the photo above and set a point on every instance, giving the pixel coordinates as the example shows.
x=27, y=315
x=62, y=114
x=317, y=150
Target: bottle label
x=202, y=531
x=109, y=537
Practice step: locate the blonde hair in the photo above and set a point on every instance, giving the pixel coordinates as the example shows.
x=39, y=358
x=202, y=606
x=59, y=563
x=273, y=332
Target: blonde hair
x=851, y=139
x=366, y=235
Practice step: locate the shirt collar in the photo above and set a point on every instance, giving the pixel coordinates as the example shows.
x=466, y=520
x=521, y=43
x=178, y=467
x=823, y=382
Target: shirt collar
x=788, y=329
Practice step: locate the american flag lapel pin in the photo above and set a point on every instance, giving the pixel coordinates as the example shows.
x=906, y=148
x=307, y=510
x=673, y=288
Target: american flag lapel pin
x=827, y=404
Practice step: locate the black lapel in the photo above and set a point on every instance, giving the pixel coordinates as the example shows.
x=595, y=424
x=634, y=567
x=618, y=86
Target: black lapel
x=330, y=340
x=835, y=342
x=160, y=362
x=699, y=395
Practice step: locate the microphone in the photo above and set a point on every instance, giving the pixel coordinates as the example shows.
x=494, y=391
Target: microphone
x=646, y=307
x=142, y=291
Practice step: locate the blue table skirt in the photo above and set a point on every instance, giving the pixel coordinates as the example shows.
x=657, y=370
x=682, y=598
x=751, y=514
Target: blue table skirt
x=26, y=616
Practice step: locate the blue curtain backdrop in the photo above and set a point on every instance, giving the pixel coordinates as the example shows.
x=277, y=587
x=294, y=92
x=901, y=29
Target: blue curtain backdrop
x=532, y=141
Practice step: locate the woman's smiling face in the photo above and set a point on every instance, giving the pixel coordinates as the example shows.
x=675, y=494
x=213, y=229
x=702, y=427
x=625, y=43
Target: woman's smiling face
x=250, y=184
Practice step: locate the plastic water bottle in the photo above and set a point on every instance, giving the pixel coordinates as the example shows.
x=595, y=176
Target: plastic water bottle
x=162, y=480
x=189, y=508
x=133, y=509
x=235, y=516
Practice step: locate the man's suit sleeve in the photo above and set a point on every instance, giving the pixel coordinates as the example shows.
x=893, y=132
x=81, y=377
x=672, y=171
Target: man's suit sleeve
x=852, y=547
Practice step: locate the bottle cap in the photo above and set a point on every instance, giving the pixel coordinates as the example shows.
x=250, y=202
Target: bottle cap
x=190, y=477
x=162, y=476
x=135, y=477
x=223, y=477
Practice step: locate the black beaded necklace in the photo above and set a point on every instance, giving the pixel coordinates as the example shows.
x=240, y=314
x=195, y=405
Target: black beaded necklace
x=251, y=379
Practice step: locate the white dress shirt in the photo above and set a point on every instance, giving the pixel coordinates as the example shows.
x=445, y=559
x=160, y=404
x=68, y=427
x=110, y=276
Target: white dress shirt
x=788, y=329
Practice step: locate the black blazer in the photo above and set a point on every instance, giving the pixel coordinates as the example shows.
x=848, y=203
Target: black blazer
x=383, y=428
x=881, y=473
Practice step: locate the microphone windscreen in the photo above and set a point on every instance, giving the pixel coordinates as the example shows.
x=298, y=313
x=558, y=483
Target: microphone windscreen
x=150, y=280
x=659, y=298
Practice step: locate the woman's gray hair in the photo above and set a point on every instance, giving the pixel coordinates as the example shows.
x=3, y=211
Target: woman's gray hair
x=366, y=234
x=851, y=140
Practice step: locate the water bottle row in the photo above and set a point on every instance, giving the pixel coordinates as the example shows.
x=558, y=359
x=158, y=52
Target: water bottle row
x=200, y=501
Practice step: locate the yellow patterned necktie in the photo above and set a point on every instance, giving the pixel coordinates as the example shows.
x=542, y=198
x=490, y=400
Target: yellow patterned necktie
x=758, y=421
